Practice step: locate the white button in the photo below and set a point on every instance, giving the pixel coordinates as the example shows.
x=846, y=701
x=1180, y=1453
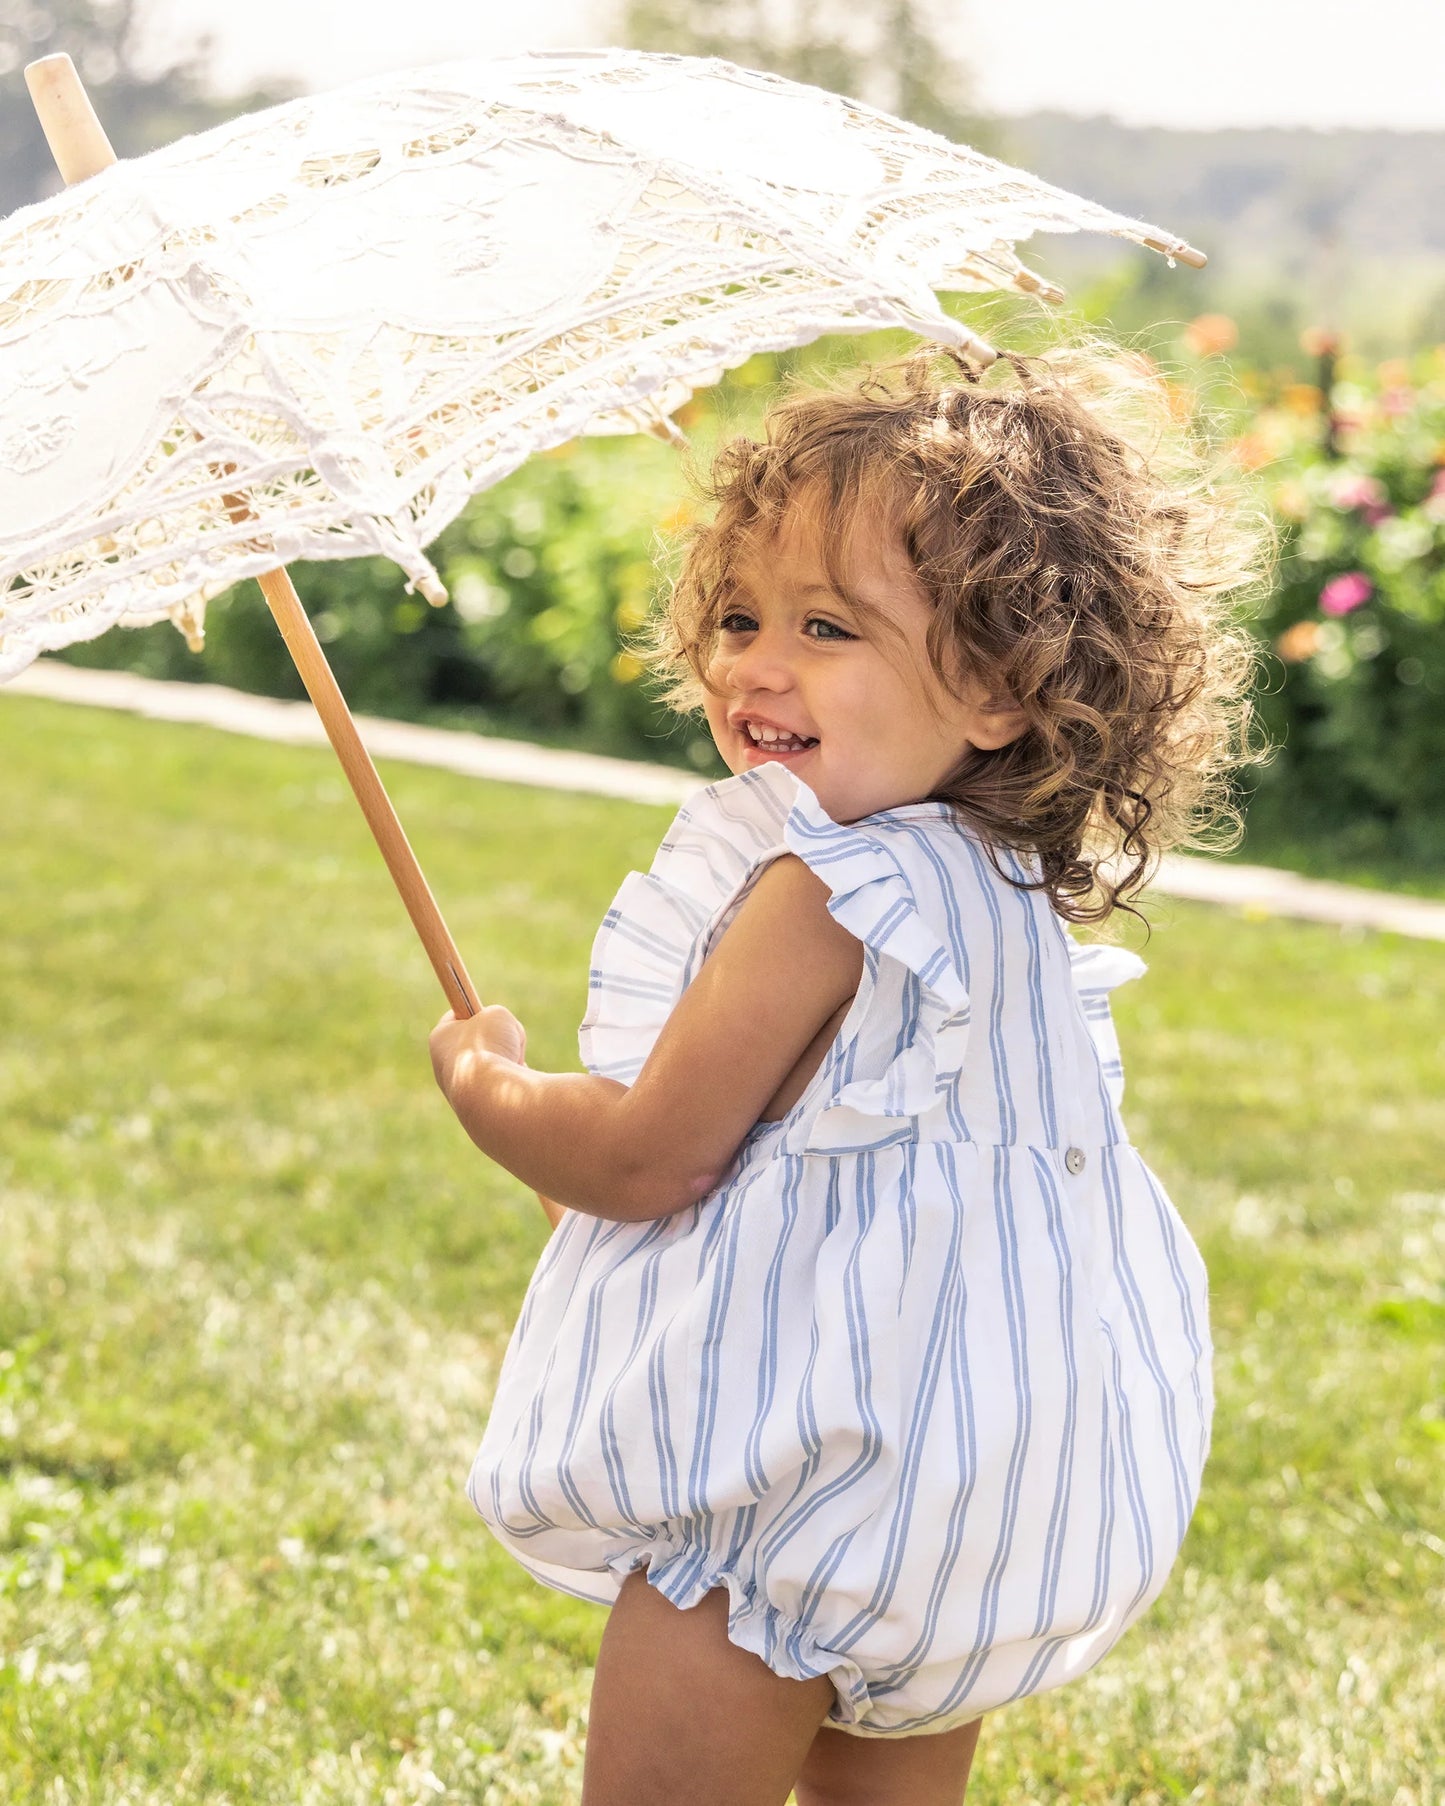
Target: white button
x=1074, y=1159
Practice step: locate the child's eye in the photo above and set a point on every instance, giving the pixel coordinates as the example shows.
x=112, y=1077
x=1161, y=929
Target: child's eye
x=735, y=621
x=829, y=630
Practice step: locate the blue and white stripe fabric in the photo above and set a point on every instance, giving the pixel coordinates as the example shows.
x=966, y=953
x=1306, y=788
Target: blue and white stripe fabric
x=925, y=1384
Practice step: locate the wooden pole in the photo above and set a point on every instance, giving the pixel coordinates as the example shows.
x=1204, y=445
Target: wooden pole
x=367, y=787
x=80, y=147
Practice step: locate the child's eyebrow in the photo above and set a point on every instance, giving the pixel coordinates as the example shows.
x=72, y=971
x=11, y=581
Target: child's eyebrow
x=740, y=589
x=838, y=595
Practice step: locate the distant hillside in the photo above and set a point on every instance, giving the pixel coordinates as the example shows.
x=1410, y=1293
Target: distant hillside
x=1341, y=228
x=1251, y=193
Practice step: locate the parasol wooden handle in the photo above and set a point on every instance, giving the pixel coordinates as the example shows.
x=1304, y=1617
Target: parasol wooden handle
x=80, y=147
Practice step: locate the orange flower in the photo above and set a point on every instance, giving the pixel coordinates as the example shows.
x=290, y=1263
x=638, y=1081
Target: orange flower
x=1301, y=398
x=1252, y=451
x=1300, y=642
x=1211, y=335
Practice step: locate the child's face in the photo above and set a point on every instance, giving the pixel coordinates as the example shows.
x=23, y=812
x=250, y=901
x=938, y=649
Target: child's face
x=857, y=711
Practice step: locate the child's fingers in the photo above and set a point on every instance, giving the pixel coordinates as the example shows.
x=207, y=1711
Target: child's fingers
x=493, y=1029
x=497, y=1029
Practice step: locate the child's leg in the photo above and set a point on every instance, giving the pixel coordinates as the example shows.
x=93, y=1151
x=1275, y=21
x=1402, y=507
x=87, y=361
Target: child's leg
x=680, y=1714
x=840, y=1770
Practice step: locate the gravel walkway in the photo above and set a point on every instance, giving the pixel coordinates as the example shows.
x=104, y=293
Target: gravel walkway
x=1255, y=889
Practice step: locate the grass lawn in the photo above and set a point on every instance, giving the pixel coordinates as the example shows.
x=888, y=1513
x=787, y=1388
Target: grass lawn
x=256, y=1283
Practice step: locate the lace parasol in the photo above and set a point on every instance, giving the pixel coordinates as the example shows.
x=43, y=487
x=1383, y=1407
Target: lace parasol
x=314, y=332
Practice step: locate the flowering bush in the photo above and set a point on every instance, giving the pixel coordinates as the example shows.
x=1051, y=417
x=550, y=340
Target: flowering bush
x=1355, y=625
x=552, y=571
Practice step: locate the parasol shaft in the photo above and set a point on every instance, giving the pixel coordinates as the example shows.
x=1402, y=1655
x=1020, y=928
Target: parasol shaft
x=80, y=147
x=368, y=789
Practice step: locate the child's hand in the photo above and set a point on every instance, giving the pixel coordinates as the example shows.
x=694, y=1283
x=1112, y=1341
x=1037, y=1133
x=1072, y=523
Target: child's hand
x=455, y=1044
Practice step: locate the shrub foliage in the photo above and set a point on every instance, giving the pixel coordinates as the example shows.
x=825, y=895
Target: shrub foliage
x=552, y=572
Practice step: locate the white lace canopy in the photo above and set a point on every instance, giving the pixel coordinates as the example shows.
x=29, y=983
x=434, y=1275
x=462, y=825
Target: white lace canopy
x=314, y=332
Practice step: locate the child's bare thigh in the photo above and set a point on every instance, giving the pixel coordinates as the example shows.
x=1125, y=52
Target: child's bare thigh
x=679, y=1713
x=840, y=1770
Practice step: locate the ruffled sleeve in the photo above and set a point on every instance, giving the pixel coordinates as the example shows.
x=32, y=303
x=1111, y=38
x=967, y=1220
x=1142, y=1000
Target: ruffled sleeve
x=912, y=1043
x=1097, y=970
x=663, y=922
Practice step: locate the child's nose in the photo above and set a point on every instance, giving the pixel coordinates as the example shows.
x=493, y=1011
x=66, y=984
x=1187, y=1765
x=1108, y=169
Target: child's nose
x=763, y=664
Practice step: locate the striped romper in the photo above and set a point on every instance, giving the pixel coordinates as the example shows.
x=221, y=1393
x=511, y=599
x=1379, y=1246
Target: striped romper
x=925, y=1383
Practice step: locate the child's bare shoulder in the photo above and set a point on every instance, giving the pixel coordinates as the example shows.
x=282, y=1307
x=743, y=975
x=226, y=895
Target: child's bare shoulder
x=784, y=920
x=788, y=889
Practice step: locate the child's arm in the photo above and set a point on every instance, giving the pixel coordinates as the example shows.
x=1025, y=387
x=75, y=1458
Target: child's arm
x=782, y=968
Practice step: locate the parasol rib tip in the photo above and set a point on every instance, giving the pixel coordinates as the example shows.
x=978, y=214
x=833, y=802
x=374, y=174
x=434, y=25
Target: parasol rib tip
x=1031, y=283
x=979, y=350
x=1176, y=249
x=665, y=428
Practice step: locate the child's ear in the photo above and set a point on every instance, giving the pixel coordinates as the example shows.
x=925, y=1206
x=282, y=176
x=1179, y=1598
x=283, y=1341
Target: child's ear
x=995, y=720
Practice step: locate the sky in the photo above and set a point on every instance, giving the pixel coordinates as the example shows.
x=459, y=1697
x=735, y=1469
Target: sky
x=1156, y=62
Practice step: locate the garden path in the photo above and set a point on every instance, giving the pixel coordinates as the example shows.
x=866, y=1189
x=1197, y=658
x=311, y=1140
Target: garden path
x=1255, y=889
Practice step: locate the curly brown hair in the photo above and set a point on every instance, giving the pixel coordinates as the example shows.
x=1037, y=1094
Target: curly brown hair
x=1084, y=552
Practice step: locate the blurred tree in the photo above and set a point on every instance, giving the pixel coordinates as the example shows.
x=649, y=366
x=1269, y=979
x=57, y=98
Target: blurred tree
x=143, y=99
x=885, y=52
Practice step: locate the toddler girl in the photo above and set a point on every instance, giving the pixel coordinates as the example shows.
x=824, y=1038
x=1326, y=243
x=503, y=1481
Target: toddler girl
x=867, y=1373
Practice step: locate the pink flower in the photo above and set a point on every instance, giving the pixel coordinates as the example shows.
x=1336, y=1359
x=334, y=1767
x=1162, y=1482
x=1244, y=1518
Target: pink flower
x=1342, y=594
x=1353, y=489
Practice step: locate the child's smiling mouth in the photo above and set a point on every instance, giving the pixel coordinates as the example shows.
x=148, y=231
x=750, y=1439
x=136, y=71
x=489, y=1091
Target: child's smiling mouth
x=765, y=739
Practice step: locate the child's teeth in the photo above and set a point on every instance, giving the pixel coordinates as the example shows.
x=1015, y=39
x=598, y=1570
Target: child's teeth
x=771, y=736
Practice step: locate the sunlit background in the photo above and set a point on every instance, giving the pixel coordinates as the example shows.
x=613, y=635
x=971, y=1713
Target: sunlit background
x=1322, y=63
x=253, y=1282
x=1299, y=144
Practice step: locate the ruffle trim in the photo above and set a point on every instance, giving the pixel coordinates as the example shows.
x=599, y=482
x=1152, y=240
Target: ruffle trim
x=873, y=899
x=1096, y=971
x=754, y=1623
x=663, y=922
